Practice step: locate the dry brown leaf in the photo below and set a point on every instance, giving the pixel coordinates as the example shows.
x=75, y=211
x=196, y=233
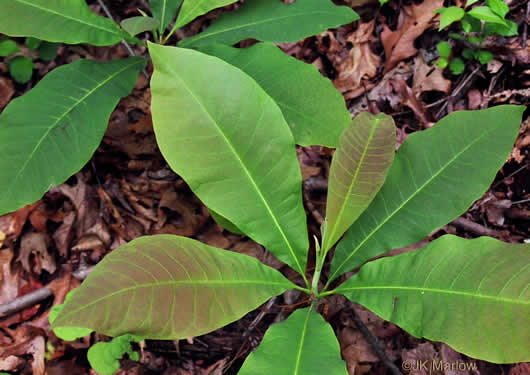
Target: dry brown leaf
x=428, y=78
x=421, y=359
x=450, y=356
x=410, y=99
x=6, y=91
x=12, y=224
x=399, y=44
x=34, y=253
x=9, y=277
x=361, y=63
x=29, y=341
x=63, y=235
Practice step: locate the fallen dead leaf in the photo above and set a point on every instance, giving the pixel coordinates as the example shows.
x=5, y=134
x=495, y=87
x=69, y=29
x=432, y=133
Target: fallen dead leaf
x=399, y=44
x=423, y=354
x=34, y=254
x=428, y=78
x=7, y=90
x=9, y=276
x=29, y=341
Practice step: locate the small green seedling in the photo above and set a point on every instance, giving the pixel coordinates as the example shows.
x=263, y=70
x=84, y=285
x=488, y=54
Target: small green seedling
x=20, y=64
x=240, y=113
x=476, y=24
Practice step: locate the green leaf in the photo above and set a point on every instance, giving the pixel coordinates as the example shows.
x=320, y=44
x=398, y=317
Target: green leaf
x=274, y=21
x=457, y=66
x=499, y=7
x=63, y=21
x=509, y=30
x=49, y=134
x=303, y=344
x=170, y=287
x=139, y=24
x=48, y=51
x=449, y=15
x=483, y=56
x=471, y=294
x=486, y=14
x=471, y=25
x=358, y=169
x=8, y=47
x=436, y=176
x=104, y=357
x=67, y=333
x=192, y=9
x=32, y=43
x=21, y=69
x=444, y=49
x=232, y=146
x=442, y=62
x=312, y=106
x=223, y=222
x=471, y=2
x=468, y=54
x=164, y=11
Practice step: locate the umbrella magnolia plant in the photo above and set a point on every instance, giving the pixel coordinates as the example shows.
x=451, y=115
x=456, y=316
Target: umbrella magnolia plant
x=227, y=121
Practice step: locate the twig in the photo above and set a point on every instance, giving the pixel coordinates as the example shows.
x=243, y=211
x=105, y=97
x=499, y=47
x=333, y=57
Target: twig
x=124, y=42
x=510, y=175
x=372, y=340
x=475, y=227
x=35, y=297
x=456, y=91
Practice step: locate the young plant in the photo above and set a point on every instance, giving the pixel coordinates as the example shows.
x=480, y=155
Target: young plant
x=50, y=133
x=237, y=154
x=476, y=23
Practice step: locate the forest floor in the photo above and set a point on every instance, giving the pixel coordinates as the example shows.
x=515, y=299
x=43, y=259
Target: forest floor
x=381, y=63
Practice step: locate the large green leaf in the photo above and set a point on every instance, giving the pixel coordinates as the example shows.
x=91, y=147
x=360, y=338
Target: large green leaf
x=436, y=176
x=169, y=287
x=48, y=134
x=312, y=106
x=274, y=21
x=192, y=9
x=302, y=345
x=358, y=169
x=471, y=294
x=228, y=139
x=164, y=11
x=64, y=21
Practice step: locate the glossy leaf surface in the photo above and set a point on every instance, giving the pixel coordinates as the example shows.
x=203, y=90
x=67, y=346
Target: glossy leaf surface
x=192, y=9
x=274, y=21
x=436, y=176
x=164, y=11
x=64, y=21
x=358, y=169
x=304, y=344
x=49, y=133
x=312, y=106
x=170, y=287
x=471, y=294
x=228, y=139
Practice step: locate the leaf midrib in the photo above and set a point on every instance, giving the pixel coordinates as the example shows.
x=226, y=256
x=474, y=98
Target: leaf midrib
x=175, y=283
x=60, y=118
x=325, y=246
x=428, y=182
x=301, y=346
x=70, y=18
x=434, y=290
x=205, y=34
x=245, y=169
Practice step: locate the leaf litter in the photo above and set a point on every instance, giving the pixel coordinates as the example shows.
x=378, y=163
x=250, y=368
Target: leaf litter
x=384, y=63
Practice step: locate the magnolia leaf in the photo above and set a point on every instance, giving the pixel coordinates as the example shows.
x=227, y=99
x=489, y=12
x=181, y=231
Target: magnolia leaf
x=471, y=294
x=67, y=333
x=164, y=11
x=358, y=170
x=436, y=176
x=50, y=133
x=64, y=21
x=303, y=344
x=139, y=24
x=274, y=21
x=169, y=287
x=223, y=222
x=192, y=9
x=312, y=106
x=232, y=146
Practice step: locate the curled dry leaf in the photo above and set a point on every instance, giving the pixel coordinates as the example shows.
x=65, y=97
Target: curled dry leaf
x=428, y=78
x=6, y=91
x=34, y=253
x=411, y=100
x=399, y=44
x=9, y=277
x=360, y=64
x=29, y=341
